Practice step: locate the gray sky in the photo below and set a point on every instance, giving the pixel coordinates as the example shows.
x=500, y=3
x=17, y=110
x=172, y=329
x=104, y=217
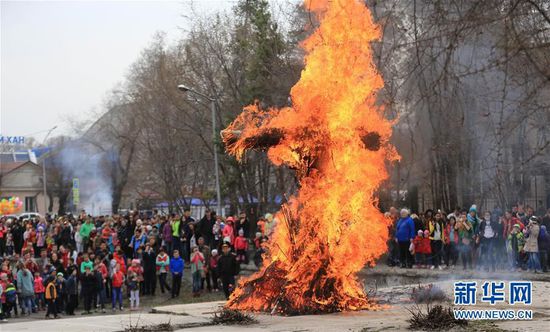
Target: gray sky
x=58, y=59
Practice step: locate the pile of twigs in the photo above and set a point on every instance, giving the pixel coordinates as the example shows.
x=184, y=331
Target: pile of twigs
x=228, y=316
x=263, y=139
x=435, y=318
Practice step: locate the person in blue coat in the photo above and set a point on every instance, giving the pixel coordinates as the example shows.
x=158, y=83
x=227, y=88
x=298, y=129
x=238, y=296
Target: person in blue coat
x=404, y=235
x=176, y=267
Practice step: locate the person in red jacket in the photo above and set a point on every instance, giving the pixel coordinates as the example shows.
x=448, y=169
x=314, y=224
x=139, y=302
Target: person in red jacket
x=106, y=231
x=418, y=250
x=65, y=256
x=101, y=267
x=228, y=231
x=241, y=247
x=213, y=267
x=39, y=291
x=119, y=258
x=510, y=220
x=5, y=269
x=117, y=280
x=4, y=284
x=427, y=248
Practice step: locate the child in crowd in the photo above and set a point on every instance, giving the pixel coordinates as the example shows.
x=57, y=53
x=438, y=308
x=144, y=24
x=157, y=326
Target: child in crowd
x=88, y=282
x=241, y=246
x=10, y=294
x=135, y=277
x=176, y=267
x=4, y=282
x=117, y=280
x=228, y=231
x=61, y=293
x=72, y=291
x=51, y=296
x=163, y=265
x=260, y=251
x=197, y=264
x=516, y=241
x=465, y=230
x=418, y=248
x=217, y=232
x=39, y=290
x=213, y=267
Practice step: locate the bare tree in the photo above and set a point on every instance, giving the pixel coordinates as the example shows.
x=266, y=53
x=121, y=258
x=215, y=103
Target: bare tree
x=469, y=83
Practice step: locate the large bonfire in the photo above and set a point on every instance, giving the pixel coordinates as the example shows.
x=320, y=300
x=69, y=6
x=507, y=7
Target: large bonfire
x=336, y=139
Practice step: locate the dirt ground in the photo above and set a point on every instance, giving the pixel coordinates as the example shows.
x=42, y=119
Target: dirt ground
x=392, y=287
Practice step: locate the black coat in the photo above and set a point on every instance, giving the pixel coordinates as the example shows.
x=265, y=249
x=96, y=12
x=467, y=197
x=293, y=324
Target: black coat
x=99, y=280
x=205, y=229
x=61, y=287
x=66, y=235
x=17, y=233
x=228, y=265
x=58, y=265
x=72, y=285
x=242, y=224
x=149, y=261
x=89, y=283
x=185, y=230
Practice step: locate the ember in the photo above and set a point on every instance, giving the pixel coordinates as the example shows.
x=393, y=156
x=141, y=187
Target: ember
x=336, y=139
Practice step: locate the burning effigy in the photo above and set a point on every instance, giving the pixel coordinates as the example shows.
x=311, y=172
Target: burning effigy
x=336, y=138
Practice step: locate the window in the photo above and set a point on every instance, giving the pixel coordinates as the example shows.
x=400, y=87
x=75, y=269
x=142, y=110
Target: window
x=30, y=204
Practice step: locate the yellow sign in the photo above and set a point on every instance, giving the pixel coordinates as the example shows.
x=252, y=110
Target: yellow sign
x=76, y=191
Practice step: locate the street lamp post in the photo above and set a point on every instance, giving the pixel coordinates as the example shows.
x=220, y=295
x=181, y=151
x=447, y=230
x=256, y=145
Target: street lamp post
x=44, y=171
x=184, y=88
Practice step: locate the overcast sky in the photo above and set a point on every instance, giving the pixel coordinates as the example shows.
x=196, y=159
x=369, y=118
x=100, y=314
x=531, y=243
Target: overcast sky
x=58, y=59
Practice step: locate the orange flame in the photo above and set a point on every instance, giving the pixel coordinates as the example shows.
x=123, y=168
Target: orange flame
x=336, y=139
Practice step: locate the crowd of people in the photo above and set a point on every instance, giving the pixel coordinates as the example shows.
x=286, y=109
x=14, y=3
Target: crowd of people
x=57, y=264
x=514, y=240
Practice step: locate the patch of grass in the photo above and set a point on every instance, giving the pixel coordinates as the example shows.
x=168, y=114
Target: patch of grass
x=428, y=294
x=435, y=318
x=226, y=316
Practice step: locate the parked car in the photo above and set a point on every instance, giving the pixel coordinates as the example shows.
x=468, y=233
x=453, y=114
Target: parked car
x=30, y=215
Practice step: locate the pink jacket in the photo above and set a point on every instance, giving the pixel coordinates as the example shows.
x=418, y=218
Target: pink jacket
x=228, y=232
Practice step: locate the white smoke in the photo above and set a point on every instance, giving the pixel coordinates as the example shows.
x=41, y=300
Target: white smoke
x=87, y=165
